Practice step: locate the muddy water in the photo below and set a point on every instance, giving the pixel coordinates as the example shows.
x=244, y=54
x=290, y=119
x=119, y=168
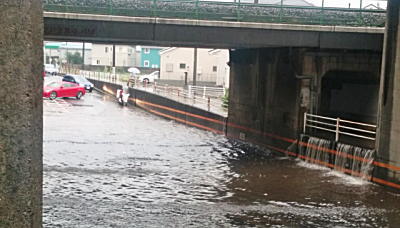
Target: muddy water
x=107, y=166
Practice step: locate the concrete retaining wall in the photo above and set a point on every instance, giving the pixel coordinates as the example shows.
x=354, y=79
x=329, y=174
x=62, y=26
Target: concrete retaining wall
x=168, y=108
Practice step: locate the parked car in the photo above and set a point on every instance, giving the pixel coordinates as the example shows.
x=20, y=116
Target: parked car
x=78, y=79
x=51, y=69
x=63, y=89
x=149, y=78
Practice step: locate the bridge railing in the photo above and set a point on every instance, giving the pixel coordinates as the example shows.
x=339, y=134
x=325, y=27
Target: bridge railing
x=223, y=11
x=339, y=127
x=206, y=91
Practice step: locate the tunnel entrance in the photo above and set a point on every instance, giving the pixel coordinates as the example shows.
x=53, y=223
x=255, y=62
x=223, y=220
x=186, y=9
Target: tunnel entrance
x=350, y=95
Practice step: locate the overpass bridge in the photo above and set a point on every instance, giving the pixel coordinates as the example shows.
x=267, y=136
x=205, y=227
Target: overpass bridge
x=224, y=11
x=284, y=61
x=213, y=24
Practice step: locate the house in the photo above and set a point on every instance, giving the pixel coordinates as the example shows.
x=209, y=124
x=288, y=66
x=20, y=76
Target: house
x=177, y=65
x=125, y=55
x=374, y=7
x=56, y=52
x=150, y=56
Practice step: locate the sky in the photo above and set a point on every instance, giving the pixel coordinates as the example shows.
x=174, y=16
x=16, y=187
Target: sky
x=331, y=3
x=345, y=3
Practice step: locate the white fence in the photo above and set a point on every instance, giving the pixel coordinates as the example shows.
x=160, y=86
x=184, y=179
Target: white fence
x=205, y=91
x=188, y=96
x=104, y=76
x=339, y=127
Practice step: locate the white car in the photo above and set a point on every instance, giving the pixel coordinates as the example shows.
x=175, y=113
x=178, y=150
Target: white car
x=149, y=78
x=50, y=69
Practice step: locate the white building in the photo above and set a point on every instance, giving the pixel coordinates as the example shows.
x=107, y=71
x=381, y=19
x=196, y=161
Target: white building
x=56, y=52
x=211, y=65
x=125, y=55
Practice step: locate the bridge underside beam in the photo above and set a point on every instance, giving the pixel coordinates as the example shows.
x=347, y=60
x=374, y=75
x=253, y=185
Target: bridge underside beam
x=21, y=66
x=166, y=33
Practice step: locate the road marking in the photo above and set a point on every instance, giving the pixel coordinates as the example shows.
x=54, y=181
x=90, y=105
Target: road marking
x=56, y=105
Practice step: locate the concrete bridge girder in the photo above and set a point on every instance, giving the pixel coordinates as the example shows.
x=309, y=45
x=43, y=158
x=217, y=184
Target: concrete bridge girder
x=202, y=33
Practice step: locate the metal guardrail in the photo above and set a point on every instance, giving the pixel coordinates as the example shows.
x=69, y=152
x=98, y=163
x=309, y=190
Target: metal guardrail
x=224, y=11
x=188, y=95
x=340, y=127
x=205, y=91
x=209, y=103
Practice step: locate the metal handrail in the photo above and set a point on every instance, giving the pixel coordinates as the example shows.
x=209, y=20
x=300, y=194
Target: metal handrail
x=360, y=130
x=321, y=117
x=358, y=123
x=206, y=91
x=225, y=11
x=358, y=136
x=187, y=95
x=325, y=129
x=338, y=128
x=319, y=122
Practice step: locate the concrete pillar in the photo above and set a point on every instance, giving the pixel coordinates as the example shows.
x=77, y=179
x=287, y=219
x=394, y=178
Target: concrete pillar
x=388, y=143
x=21, y=66
x=263, y=97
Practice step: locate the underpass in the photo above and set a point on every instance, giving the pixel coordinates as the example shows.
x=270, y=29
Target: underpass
x=21, y=120
x=112, y=166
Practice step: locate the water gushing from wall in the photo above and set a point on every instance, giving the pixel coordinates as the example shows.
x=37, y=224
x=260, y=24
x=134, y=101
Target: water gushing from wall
x=358, y=160
x=316, y=150
x=349, y=159
x=341, y=161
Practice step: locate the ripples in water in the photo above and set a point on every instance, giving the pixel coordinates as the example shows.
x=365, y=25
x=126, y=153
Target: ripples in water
x=127, y=168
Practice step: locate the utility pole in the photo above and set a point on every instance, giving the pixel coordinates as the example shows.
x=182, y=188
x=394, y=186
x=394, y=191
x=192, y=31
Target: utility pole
x=194, y=66
x=83, y=56
x=66, y=53
x=113, y=60
x=50, y=57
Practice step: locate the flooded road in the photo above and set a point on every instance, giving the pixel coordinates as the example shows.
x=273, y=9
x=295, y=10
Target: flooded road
x=108, y=166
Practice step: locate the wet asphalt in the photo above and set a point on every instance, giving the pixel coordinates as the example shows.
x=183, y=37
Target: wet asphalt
x=112, y=166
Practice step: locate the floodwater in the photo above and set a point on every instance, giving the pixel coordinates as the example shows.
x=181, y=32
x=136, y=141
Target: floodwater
x=112, y=166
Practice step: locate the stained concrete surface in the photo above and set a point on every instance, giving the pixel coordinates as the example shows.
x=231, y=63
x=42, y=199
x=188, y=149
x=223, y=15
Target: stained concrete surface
x=21, y=68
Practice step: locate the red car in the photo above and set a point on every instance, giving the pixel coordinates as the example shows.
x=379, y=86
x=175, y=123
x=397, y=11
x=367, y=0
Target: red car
x=63, y=89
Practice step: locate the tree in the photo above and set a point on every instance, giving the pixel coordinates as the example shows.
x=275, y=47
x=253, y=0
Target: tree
x=74, y=58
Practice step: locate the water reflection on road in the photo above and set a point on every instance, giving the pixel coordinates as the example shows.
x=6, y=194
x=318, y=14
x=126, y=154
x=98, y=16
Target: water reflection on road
x=108, y=166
